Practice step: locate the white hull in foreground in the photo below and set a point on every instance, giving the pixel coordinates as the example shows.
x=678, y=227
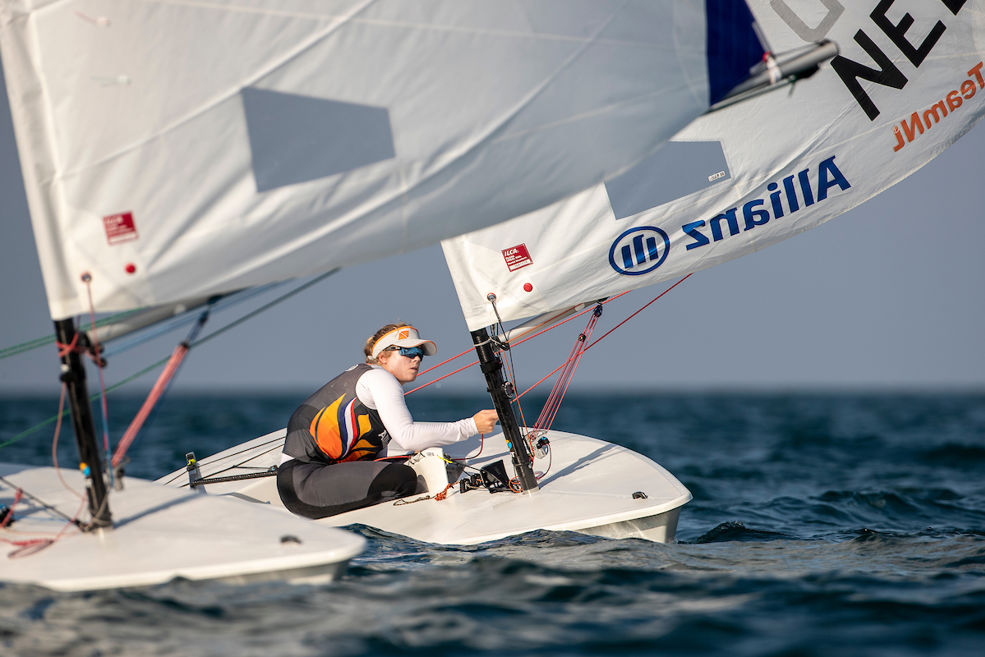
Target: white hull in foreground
x=591, y=486
x=159, y=534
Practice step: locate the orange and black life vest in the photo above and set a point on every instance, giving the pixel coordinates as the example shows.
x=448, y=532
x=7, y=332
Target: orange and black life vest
x=332, y=425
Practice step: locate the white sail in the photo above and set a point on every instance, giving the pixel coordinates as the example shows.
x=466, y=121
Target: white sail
x=909, y=81
x=173, y=149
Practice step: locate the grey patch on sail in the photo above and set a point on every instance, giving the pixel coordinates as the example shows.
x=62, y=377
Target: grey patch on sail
x=679, y=168
x=294, y=139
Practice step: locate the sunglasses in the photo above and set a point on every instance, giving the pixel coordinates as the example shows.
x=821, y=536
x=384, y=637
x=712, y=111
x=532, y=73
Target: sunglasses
x=409, y=352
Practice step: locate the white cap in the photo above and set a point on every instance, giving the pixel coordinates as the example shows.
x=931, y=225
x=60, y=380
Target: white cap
x=404, y=336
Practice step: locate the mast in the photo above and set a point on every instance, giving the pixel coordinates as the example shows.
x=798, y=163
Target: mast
x=74, y=377
x=501, y=393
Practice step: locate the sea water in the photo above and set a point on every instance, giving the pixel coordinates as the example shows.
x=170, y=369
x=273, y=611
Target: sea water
x=822, y=524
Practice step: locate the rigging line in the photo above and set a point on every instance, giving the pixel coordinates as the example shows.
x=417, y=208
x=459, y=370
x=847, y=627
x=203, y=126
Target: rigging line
x=266, y=306
x=552, y=372
x=564, y=381
x=469, y=457
x=158, y=363
x=549, y=411
x=41, y=543
x=519, y=342
x=212, y=479
x=241, y=464
x=546, y=376
x=93, y=397
x=575, y=316
x=30, y=430
x=96, y=352
x=638, y=311
x=554, y=399
x=36, y=500
x=160, y=387
x=511, y=373
x=180, y=318
x=30, y=546
x=274, y=441
x=54, y=443
x=37, y=343
x=66, y=349
x=23, y=347
x=425, y=385
x=445, y=362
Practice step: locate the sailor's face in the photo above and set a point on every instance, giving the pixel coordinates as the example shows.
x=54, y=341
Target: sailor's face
x=403, y=368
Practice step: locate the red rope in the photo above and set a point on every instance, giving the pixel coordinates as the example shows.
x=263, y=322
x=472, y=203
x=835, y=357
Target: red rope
x=29, y=546
x=553, y=403
x=518, y=342
x=542, y=331
x=482, y=444
x=445, y=376
x=638, y=311
x=23, y=545
x=576, y=316
x=155, y=394
x=545, y=377
x=445, y=362
x=65, y=349
x=443, y=494
x=54, y=445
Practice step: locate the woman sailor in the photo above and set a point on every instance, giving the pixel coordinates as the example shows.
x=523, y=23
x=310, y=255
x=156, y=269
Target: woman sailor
x=329, y=462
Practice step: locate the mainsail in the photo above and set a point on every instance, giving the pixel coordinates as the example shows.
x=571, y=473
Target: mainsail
x=907, y=84
x=178, y=149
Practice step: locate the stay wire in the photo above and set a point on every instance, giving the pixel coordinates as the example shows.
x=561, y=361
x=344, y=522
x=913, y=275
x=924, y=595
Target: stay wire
x=156, y=364
x=46, y=340
x=641, y=309
x=518, y=342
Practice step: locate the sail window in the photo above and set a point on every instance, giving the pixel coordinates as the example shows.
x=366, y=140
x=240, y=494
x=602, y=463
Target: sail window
x=295, y=139
x=679, y=168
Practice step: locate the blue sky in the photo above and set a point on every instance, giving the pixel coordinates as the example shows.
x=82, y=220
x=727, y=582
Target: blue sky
x=887, y=295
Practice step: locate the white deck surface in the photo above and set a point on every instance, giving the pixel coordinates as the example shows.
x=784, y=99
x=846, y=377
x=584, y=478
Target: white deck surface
x=160, y=533
x=590, y=484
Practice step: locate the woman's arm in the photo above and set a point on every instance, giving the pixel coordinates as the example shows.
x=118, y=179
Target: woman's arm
x=380, y=390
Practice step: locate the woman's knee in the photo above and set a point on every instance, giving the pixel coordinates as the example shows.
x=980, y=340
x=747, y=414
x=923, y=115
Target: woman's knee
x=395, y=480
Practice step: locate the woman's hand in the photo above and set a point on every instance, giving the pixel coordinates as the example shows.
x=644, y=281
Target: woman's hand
x=485, y=420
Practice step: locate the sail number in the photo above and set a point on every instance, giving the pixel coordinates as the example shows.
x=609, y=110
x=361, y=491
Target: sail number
x=884, y=72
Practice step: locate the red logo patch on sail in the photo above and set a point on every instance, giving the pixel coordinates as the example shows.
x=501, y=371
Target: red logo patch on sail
x=120, y=228
x=517, y=257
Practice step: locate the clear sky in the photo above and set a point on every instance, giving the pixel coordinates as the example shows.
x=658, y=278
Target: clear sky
x=888, y=295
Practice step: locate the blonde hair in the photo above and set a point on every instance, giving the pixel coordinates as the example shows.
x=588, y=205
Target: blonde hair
x=373, y=339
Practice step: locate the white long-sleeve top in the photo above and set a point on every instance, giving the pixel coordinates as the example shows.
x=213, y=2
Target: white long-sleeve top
x=380, y=391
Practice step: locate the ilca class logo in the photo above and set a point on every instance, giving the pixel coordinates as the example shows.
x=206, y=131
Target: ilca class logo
x=639, y=250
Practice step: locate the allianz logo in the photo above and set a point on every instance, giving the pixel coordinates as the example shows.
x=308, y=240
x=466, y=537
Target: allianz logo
x=639, y=250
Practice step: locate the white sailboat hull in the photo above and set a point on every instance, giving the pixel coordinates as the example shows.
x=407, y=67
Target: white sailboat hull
x=160, y=533
x=591, y=486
